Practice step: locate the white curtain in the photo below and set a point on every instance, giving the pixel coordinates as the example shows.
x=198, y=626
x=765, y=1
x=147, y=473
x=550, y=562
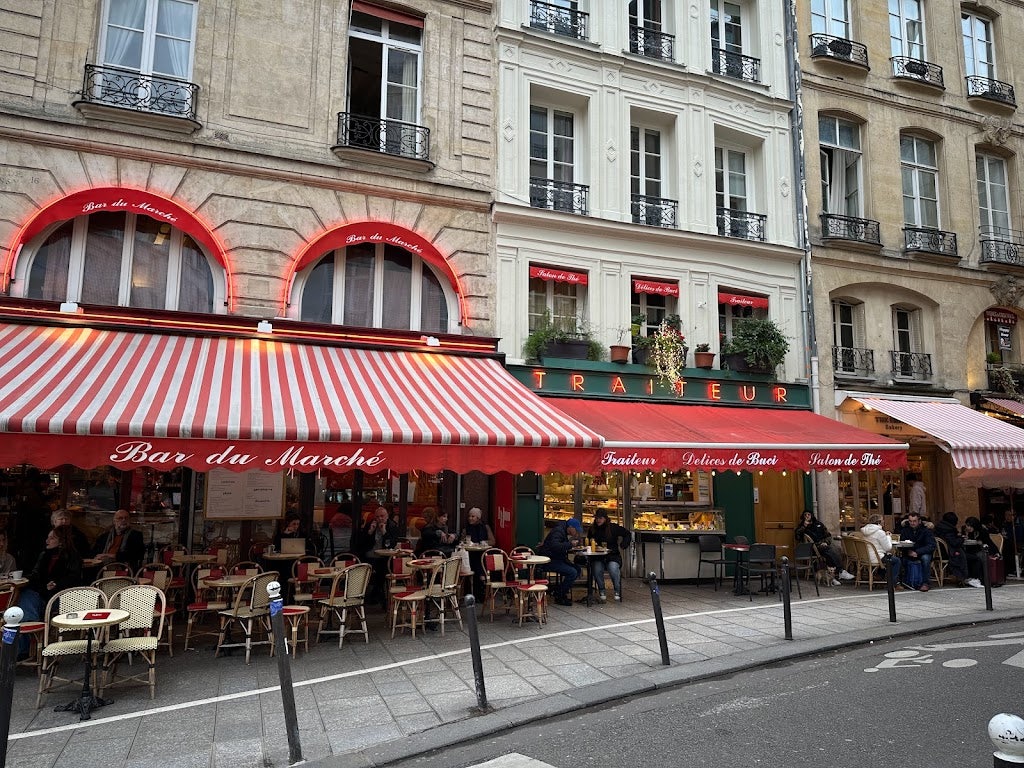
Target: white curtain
x=125, y=23
x=173, y=47
x=48, y=275
x=104, y=246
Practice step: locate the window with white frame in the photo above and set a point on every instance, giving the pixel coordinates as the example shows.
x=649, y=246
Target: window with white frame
x=553, y=159
x=374, y=285
x=831, y=17
x=731, y=179
x=559, y=301
x=154, y=39
x=979, y=47
x=645, y=175
x=839, y=144
x=384, y=67
x=849, y=357
x=906, y=332
x=920, y=171
x=726, y=38
x=732, y=312
x=646, y=23
x=652, y=308
x=906, y=28
x=993, y=198
x=123, y=259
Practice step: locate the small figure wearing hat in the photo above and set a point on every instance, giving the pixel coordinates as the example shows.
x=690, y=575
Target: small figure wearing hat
x=557, y=545
x=614, y=538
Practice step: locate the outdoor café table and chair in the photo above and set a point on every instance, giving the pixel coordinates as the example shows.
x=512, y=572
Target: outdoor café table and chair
x=591, y=554
x=530, y=592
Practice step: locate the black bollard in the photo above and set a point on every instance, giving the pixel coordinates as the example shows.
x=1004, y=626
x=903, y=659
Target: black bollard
x=284, y=672
x=8, y=658
x=787, y=607
x=469, y=603
x=890, y=585
x=985, y=579
x=659, y=619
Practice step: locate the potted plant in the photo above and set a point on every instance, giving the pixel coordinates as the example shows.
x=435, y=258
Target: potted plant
x=619, y=352
x=994, y=358
x=703, y=357
x=668, y=352
x=550, y=340
x=757, y=345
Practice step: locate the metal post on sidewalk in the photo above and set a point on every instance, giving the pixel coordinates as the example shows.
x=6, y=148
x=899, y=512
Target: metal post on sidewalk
x=1006, y=732
x=469, y=604
x=8, y=658
x=985, y=578
x=284, y=672
x=787, y=606
x=659, y=619
x=890, y=584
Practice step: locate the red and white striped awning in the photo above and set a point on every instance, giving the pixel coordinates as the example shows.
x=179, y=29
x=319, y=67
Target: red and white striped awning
x=974, y=440
x=1013, y=406
x=91, y=397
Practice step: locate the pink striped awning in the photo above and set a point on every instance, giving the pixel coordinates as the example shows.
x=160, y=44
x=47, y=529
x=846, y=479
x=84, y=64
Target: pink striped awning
x=974, y=440
x=1013, y=406
x=91, y=397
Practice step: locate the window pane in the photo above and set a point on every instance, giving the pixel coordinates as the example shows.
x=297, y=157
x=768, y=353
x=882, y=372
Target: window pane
x=196, y=287
x=827, y=130
x=318, y=293
x=433, y=307
x=363, y=22
x=397, y=288
x=359, y=267
x=48, y=277
x=125, y=22
x=101, y=273
x=538, y=302
x=149, y=263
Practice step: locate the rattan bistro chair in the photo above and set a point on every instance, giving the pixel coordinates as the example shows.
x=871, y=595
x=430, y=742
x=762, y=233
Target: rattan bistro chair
x=443, y=592
x=251, y=611
x=348, y=593
x=60, y=643
x=139, y=634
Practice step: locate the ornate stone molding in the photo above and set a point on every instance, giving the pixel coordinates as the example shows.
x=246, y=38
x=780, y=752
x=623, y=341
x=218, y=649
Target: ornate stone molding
x=1008, y=291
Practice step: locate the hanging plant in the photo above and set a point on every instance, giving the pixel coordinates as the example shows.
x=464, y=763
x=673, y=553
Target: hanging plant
x=668, y=354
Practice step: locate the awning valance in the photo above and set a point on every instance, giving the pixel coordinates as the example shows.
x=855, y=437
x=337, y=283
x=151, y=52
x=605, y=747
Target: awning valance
x=656, y=287
x=89, y=397
x=742, y=300
x=642, y=436
x=974, y=440
x=559, y=275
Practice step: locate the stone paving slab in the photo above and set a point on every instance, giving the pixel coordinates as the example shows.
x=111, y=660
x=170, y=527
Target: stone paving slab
x=368, y=704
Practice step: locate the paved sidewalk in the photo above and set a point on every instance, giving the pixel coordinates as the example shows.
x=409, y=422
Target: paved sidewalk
x=368, y=704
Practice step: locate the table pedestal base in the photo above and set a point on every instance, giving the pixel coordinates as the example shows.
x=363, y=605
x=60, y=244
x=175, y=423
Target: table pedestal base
x=84, y=704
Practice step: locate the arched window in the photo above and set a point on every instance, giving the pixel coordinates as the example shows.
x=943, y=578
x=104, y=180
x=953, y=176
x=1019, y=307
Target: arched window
x=122, y=259
x=374, y=285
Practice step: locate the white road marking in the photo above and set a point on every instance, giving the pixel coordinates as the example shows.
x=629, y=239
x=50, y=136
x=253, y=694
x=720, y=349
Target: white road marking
x=513, y=760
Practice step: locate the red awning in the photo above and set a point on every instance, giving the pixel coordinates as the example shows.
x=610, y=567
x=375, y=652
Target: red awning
x=662, y=436
x=559, y=275
x=742, y=300
x=656, y=287
x=90, y=397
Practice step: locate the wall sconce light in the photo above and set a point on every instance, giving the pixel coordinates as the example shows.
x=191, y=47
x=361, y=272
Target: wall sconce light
x=431, y=341
x=71, y=308
x=264, y=326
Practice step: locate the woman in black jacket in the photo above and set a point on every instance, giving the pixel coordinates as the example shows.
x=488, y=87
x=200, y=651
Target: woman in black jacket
x=815, y=530
x=615, y=538
x=58, y=567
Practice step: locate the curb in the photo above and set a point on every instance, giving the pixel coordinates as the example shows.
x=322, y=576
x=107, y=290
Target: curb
x=479, y=726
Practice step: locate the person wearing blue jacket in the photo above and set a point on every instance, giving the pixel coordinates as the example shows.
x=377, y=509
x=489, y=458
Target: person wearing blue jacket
x=557, y=545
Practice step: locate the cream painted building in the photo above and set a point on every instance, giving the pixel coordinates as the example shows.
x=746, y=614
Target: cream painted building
x=642, y=149
x=913, y=141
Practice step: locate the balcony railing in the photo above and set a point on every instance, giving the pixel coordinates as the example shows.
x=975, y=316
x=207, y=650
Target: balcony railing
x=911, y=365
x=389, y=137
x=747, y=226
x=559, y=20
x=927, y=240
x=654, y=211
x=736, y=65
x=993, y=90
x=561, y=196
x=1002, y=246
x=853, y=361
x=113, y=87
x=838, y=48
x=925, y=72
x=651, y=43
x=837, y=227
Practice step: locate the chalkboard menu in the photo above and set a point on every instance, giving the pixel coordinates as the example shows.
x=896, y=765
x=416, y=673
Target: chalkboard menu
x=244, y=495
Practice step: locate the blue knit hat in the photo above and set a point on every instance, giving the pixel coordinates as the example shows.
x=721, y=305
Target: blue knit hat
x=572, y=522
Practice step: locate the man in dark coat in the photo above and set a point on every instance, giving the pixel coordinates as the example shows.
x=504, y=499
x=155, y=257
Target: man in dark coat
x=557, y=545
x=121, y=543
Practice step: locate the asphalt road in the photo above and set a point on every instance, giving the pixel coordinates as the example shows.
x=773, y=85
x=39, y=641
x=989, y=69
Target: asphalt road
x=913, y=703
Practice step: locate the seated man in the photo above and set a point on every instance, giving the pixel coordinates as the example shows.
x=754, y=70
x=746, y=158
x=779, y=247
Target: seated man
x=915, y=530
x=121, y=543
x=378, y=533
x=557, y=545
x=946, y=529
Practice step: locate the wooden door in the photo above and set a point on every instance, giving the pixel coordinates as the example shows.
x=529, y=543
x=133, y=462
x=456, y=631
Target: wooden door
x=778, y=503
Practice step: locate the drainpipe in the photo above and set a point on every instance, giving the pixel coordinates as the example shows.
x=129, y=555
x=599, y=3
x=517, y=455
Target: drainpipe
x=796, y=133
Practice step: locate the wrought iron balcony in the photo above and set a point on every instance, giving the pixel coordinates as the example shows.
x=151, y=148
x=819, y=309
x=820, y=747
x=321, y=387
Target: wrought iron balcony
x=919, y=71
x=736, y=65
x=927, y=240
x=389, y=137
x=911, y=365
x=561, y=196
x=1002, y=246
x=747, y=226
x=993, y=90
x=125, y=89
x=837, y=227
x=853, y=361
x=651, y=43
x=839, y=48
x=559, y=20
x=654, y=211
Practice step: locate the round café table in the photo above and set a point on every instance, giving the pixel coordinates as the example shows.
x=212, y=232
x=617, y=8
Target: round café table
x=91, y=622
x=530, y=595
x=737, y=576
x=591, y=555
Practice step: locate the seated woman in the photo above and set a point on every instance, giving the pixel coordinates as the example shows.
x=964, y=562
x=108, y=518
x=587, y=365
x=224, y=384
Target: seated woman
x=434, y=534
x=292, y=529
x=946, y=529
x=615, y=538
x=974, y=529
x=815, y=530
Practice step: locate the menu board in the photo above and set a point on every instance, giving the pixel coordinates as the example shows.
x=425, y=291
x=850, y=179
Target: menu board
x=244, y=495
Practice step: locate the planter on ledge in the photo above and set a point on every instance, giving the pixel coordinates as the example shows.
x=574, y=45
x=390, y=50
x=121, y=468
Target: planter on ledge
x=704, y=360
x=618, y=353
x=569, y=349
